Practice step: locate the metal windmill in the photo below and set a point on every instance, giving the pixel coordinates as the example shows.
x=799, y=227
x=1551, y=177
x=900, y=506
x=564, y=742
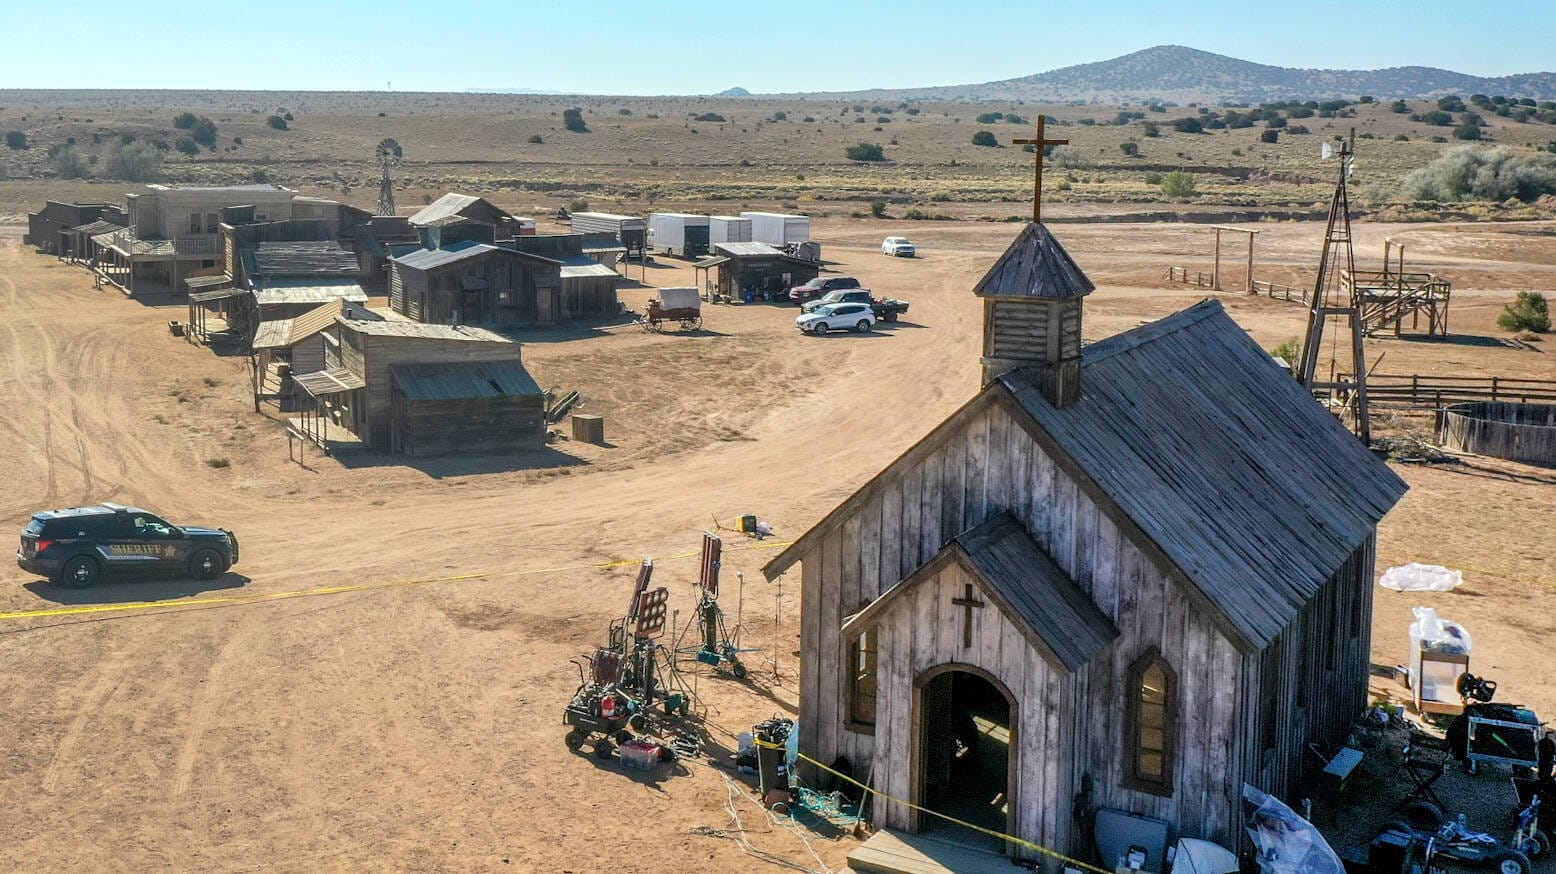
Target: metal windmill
x=388, y=156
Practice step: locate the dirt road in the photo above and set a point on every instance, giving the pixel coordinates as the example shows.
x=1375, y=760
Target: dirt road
x=416, y=727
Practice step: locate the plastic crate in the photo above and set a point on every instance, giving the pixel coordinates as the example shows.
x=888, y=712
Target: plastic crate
x=639, y=755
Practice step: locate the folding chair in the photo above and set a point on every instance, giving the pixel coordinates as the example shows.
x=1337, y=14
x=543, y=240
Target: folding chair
x=1425, y=763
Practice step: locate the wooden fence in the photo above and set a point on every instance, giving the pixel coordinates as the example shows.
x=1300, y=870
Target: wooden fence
x=1417, y=391
x=1276, y=291
x=1191, y=277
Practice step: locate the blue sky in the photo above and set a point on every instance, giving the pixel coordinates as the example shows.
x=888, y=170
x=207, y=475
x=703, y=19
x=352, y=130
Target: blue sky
x=604, y=46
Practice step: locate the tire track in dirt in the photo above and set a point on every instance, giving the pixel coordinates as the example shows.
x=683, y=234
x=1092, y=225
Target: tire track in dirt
x=110, y=674
x=213, y=691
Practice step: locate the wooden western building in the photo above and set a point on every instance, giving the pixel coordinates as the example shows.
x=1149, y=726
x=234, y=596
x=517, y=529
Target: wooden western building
x=1128, y=578
x=757, y=267
x=50, y=228
x=369, y=389
x=588, y=284
x=455, y=218
x=476, y=283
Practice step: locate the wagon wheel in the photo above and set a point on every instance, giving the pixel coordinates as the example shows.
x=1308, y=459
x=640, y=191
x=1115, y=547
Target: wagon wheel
x=691, y=323
x=654, y=324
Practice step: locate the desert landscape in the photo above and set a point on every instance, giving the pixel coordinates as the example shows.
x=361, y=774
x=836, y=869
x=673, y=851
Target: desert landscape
x=377, y=685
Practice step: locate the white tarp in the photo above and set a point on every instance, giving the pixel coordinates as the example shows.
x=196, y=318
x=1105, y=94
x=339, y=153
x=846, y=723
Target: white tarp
x=679, y=299
x=1287, y=843
x=1417, y=577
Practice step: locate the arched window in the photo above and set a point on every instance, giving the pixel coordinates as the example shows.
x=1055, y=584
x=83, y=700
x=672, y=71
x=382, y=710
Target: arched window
x=1151, y=724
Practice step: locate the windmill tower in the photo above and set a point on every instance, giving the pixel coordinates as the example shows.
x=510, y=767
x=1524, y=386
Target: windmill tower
x=388, y=156
x=1338, y=302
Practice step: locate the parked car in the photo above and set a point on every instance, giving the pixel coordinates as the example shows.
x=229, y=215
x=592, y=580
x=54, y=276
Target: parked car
x=901, y=247
x=79, y=546
x=885, y=310
x=819, y=286
x=837, y=317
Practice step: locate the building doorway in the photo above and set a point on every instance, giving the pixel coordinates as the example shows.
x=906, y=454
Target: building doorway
x=967, y=759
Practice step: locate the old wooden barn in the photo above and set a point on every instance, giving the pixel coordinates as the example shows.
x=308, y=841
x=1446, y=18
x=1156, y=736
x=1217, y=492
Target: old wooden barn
x=456, y=218
x=474, y=284
x=354, y=393
x=49, y=229
x=1127, y=579
x=588, y=284
x=477, y=407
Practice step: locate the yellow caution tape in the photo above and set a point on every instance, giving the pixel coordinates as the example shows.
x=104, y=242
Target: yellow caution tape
x=261, y=597
x=1020, y=842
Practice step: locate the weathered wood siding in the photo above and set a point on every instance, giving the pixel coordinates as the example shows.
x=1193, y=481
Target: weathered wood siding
x=308, y=355
x=1071, y=726
x=382, y=351
x=510, y=423
x=396, y=290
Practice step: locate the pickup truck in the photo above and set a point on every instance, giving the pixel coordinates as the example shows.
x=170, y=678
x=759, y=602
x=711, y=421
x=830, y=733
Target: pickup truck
x=886, y=310
x=803, y=294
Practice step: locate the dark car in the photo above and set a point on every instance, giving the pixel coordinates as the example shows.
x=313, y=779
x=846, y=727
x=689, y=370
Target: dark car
x=81, y=545
x=819, y=286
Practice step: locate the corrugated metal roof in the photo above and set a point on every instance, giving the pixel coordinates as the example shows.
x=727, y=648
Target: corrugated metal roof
x=280, y=333
x=1034, y=265
x=426, y=259
x=98, y=227
x=463, y=379
x=303, y=258
x=577, y=271
x=608, y=216
x=218, y=294
x=395, y=328
x=1257, y=493
x=277, y=291
x=447, y=206
x=328, y=382
x=746, y=250
x=208, y=282
x=705, y=263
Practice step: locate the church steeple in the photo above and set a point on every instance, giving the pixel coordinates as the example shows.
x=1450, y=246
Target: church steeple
x=1032, y=305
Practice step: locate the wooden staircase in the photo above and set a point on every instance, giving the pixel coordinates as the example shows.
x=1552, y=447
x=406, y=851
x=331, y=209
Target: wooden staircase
x=1388, y=298
x=889, y=852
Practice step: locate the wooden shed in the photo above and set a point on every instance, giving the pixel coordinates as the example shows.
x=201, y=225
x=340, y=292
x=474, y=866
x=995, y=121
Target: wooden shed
x=476, y=284
x=368, y=349
x=759, y=267
x=1131, y=577
x=476, y=407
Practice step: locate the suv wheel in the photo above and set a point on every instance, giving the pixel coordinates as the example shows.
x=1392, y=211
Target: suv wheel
x=207, y=564
x=863, y=327
x=820, y=328
x=79, y=573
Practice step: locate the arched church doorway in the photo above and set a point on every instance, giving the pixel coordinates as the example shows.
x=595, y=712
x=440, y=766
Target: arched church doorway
x=967, y=751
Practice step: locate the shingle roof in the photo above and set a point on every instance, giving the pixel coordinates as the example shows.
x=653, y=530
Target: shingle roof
x=463, y=379
x=1034, y=265
x=395, y=328
x=1257, y=493
x=309, y=258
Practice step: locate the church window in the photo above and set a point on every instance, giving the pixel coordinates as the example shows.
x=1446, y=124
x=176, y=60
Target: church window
x=1152, y=721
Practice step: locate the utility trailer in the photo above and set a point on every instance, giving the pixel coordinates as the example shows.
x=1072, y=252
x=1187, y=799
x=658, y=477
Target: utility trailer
x=630, y=230
x=728, y=229
x=778, y=229
x=678, y=233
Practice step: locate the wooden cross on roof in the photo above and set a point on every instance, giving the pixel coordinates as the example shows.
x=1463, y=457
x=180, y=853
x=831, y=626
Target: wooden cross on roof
x=1040, y=144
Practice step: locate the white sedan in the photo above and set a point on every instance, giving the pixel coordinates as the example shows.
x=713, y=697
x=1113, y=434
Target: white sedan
x=837, y=317
x=899, y=246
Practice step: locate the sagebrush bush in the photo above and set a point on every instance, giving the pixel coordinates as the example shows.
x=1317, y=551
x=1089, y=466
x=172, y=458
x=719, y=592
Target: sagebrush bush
x=1471, y=173
x=865, y=152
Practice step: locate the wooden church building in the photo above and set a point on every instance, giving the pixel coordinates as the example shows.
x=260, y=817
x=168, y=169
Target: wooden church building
x=1125, y=578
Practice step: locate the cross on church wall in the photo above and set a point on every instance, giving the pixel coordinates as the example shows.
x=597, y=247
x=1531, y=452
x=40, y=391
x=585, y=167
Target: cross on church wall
x=1040, y=143
x=967, y=602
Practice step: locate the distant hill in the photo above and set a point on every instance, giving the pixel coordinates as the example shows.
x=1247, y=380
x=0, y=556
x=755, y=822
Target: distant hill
x=736, y=91
x=1184, y=75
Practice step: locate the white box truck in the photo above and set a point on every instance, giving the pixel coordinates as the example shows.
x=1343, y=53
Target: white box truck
x=778, y=229
x=678, y=233
x=728, y=229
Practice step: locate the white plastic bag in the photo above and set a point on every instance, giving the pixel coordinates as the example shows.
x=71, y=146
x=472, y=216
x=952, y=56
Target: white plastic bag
x=1431, y=633
x=1287, y=843
x=1417, y=577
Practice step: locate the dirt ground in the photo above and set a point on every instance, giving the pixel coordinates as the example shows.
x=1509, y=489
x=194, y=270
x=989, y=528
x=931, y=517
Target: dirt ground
x=416, y=727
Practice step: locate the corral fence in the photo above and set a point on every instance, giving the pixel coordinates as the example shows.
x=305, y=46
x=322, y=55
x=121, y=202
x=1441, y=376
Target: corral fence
x=1430, y=392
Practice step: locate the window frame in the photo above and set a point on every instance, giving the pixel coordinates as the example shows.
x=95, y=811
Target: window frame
x=854, y=698
x=1133, y=779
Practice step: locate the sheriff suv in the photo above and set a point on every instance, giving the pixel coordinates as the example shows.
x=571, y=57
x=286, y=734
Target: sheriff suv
x=81, y=545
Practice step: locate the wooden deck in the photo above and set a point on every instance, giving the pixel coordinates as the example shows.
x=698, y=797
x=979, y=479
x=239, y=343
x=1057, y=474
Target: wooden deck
x=890, y=852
